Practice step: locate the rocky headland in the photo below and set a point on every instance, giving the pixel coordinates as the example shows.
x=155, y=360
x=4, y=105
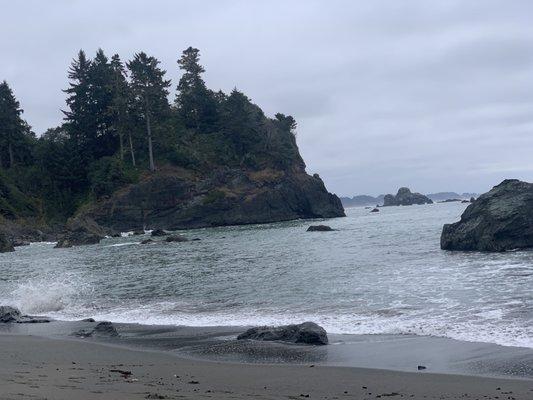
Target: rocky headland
x=499, y=220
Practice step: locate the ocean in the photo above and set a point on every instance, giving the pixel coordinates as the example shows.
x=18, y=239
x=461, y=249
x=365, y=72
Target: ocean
x=377, y=273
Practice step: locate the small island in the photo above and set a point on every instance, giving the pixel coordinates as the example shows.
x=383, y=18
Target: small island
x=405, y=197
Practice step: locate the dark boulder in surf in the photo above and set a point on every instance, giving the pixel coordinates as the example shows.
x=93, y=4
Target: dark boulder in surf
x=375, y=210
x=6, y=245
x=306, y=333
x=499, y=220
x=10, y=314
x=159, y=232
x=320, y=228
x=176, y=238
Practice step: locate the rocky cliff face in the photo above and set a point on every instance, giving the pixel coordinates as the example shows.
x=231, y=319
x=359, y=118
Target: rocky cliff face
x=499, y=220
x=405, y=197
x=181, y=199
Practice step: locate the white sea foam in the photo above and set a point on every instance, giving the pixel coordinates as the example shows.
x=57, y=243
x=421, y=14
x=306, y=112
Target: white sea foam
x=44, y=296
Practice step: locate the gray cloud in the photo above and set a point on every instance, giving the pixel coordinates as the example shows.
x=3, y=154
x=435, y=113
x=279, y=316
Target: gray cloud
x=436, y=95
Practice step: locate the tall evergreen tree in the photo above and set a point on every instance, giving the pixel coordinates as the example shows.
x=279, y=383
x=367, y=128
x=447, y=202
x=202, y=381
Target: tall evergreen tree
x=195, y=103
x=102, y=142
x=13, y=130
x=150, y=91
x=121, y=105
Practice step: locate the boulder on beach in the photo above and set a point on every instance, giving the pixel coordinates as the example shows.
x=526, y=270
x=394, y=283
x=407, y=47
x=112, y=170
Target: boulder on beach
x=306, y=333
x=5, y=244
x=405, y=197
x=499, y=220
x=176, y=238
x=10, y=314
x=319, y=228
x=105, y=328
x=159, y=232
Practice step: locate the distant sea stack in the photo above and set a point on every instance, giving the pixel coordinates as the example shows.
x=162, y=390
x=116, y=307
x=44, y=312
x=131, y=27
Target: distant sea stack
x=405, y=197
x=499, y=220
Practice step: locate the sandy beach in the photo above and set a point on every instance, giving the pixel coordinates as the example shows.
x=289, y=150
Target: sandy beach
x=34, y=367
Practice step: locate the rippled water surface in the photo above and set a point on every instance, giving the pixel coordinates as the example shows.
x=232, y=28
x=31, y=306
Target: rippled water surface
x=377, y=273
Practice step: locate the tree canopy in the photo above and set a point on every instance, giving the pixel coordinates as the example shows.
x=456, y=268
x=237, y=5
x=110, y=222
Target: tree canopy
x=119, y=124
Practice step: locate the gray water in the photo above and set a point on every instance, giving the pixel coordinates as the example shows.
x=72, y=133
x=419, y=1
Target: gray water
x=381, y=273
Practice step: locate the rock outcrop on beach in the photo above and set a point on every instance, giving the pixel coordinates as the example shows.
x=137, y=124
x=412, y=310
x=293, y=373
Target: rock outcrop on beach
x=104, y=329
x=306, y=333
x=176, y=199
x=10, y=314
x=405, y=197
x=499, y=220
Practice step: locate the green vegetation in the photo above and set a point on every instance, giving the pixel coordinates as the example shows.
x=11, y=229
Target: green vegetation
x=119, y=124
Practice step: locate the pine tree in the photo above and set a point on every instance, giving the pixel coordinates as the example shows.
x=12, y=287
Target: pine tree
x=79, y=121
x=101, y=96
x=121, y=105
x=150, y=95
x=12, y=128
x=195, y=103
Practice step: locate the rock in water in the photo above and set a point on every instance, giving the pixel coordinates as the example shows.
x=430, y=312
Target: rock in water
x=82, y=230
x=147, y=241
x=320, y=228
x=308, y=333
x=159, y=232
x=13, y=315
x=499, y=220
x=9, y=314
x=375, y=210
x=5, y=244
x=405, y=197
x=176, y=238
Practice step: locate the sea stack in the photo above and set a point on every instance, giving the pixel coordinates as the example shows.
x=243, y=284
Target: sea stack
x=499, y=220
x=405, y=197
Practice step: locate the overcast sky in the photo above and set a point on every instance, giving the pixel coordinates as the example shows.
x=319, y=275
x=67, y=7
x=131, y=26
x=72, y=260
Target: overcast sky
x=434, y=95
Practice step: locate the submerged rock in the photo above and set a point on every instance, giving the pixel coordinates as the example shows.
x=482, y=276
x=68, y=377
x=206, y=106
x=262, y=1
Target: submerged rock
x=10, y=314
x=499, y=220
x=147, y=241
x=159, y=232
x=5, y=244
x=405, y=197
x=320, y=228
x=176, y=238
x=307, y=332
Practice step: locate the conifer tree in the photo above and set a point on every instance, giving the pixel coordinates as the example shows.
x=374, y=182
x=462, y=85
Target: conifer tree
x=150, y=91
x=12, y=128
x=120, y=107
x=79, y=119
x=195, y=103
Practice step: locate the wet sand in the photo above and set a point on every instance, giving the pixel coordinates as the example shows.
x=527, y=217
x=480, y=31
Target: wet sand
x=33, y=367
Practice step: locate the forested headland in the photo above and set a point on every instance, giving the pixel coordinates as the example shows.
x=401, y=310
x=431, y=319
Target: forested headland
x=124, y=121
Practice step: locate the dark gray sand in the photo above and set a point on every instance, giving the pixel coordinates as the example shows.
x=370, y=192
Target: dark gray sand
x=33, y=367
